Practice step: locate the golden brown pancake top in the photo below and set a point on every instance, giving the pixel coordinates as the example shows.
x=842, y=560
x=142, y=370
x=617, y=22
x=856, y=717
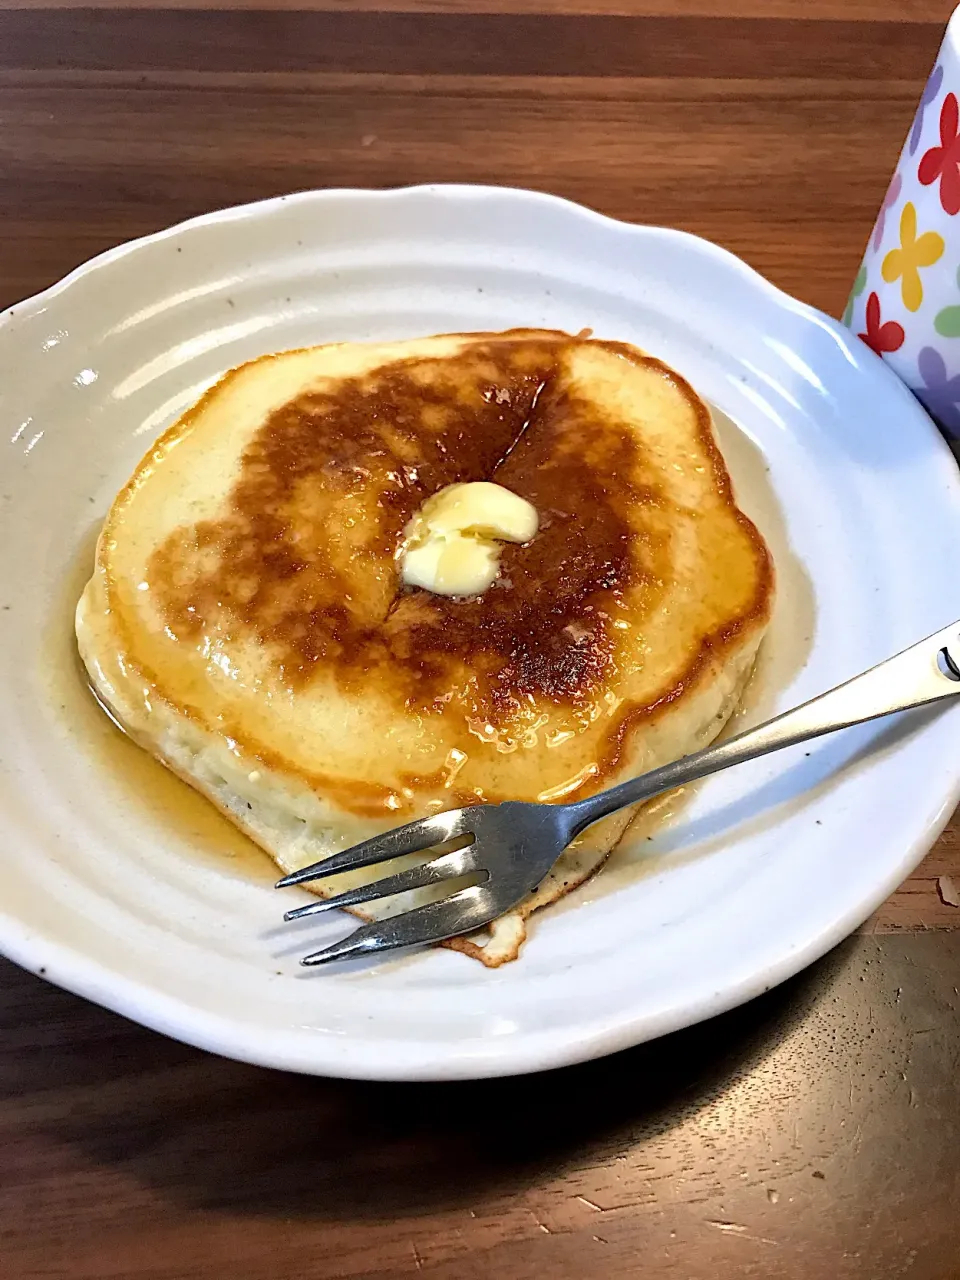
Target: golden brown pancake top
x=248, y=593
x=281, y=565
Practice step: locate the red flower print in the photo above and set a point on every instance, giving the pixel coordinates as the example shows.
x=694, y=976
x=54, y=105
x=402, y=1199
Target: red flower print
x=943, y=162
x=881, y=337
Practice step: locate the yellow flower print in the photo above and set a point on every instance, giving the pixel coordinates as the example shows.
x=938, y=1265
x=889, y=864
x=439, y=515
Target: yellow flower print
x=914, y=252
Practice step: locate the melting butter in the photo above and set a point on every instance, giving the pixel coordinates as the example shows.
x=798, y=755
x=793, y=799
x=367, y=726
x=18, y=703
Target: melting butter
x=451, y=546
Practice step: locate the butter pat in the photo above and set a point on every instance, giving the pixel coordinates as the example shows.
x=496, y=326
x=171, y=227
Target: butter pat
x=480, y=509
x=452, y=565
x=450, y=546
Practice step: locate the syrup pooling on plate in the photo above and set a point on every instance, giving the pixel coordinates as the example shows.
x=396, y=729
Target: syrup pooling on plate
x=129, y=778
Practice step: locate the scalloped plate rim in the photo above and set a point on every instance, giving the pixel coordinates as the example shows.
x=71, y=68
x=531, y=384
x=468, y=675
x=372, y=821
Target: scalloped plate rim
x=70, y=969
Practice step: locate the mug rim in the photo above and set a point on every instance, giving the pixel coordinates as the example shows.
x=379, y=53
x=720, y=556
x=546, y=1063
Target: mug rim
x=951, y=37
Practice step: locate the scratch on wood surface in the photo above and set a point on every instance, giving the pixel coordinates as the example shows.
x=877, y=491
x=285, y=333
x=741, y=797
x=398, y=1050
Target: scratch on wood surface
x=543, y=1227
x=589, y=1203
x=416, y=1257
x=735, y=1229
x=642, y=1202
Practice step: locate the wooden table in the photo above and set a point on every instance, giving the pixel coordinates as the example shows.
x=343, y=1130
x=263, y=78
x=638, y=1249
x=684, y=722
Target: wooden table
x=813, y=1133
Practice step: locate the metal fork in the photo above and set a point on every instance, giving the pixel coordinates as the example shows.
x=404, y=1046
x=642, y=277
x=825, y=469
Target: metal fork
x=514, y=844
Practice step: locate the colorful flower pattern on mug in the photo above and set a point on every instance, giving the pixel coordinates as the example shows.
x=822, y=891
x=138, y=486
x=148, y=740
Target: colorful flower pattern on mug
x=886, y=336
x=900, y=303
x=943, y=163
x=904, y=264
x=930, y=91
x=858, y=287
x=947, y=320
x=889, y=200
x=940, y=392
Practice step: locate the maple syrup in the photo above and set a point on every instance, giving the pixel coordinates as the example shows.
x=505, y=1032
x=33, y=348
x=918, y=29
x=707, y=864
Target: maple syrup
x=170, y=803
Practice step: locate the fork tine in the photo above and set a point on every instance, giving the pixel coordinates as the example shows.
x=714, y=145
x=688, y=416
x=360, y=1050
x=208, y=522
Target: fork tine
x=457, y=863
x=463, y=911
x=412, y=838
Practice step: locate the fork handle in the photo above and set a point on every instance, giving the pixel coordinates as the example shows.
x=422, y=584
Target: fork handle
x=926, y=672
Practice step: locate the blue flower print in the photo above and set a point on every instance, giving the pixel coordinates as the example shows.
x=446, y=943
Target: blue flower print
x=940, y=394
x=931, y=89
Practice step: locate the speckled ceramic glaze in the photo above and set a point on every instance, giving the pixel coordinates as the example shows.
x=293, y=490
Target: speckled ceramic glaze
x=905, y=301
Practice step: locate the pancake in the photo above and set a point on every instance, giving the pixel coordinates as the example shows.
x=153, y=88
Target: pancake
x=247, y=623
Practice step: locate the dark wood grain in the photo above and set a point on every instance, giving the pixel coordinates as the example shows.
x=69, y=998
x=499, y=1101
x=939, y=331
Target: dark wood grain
x=815, y=1132
x=812, y=1133
x=772, y=136
x=501, y=44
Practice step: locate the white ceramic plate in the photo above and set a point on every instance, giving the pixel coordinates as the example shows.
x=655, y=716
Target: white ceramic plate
x=760, y=871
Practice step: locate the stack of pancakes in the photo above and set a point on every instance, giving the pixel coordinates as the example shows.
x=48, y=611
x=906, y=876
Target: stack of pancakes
x=247, y=624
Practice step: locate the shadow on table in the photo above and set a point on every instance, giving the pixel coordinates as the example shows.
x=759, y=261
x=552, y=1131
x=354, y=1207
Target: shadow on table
x=207, y=1132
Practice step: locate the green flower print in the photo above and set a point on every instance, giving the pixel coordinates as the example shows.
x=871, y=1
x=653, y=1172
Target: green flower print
x=947, y=321
x=858, y=287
